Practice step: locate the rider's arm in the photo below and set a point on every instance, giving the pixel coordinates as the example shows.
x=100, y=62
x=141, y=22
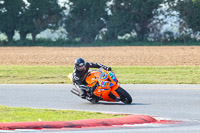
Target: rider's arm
x=98, y=65
x=78, y=83
x=76, y=78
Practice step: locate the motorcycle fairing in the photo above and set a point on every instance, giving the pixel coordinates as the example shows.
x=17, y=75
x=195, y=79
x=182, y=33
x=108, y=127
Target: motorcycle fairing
x=112, y=76
x=107, y=84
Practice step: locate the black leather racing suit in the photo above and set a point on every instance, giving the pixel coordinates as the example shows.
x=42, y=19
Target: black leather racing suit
x=79, y=77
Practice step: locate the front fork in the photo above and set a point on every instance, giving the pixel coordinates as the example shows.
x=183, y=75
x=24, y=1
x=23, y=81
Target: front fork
x=113, y=91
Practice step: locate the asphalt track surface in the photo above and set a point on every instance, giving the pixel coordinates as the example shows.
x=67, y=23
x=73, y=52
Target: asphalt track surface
x=176, y=102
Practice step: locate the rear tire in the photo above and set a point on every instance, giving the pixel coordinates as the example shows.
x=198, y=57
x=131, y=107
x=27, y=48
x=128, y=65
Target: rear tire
x=124, y=96
x=94, y=101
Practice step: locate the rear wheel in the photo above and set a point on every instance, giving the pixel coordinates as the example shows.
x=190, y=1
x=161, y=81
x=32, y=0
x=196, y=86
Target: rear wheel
x=94, y=101
x=124, y=96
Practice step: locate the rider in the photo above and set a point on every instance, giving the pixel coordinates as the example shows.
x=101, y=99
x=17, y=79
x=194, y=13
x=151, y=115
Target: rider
x=80, y=72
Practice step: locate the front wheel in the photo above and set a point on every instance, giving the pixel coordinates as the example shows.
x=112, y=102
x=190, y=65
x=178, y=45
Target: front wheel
x=124, y=96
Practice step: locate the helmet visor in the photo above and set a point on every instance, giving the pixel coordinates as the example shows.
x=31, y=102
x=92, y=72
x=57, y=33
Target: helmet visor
x=81, y=68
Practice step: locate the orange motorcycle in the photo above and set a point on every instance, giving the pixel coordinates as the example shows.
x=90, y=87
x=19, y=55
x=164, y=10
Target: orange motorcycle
x=105, y=87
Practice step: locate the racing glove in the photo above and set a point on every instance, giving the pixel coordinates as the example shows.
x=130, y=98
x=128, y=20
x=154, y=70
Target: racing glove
x=109, y=69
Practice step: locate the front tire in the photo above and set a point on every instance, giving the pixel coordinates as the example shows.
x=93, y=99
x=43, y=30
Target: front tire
x=124, y=96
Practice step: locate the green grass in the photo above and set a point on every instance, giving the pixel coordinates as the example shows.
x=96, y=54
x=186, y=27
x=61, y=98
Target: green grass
x=159, y=75
x=34, y=74
x=13, y=114
x=125, y=74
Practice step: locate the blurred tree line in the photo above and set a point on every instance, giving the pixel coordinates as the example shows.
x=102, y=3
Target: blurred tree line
x=87, y=21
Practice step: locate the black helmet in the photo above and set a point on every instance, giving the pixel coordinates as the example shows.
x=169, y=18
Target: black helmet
x=80, y=64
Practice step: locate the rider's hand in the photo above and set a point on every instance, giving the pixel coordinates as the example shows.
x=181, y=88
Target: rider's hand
x=109, y=69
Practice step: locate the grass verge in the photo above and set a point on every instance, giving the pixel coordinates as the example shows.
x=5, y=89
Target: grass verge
x=125, y=74
x=18, y=114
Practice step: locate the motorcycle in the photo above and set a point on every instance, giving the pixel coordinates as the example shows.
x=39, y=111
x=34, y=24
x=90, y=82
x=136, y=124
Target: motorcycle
x=105, y=87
